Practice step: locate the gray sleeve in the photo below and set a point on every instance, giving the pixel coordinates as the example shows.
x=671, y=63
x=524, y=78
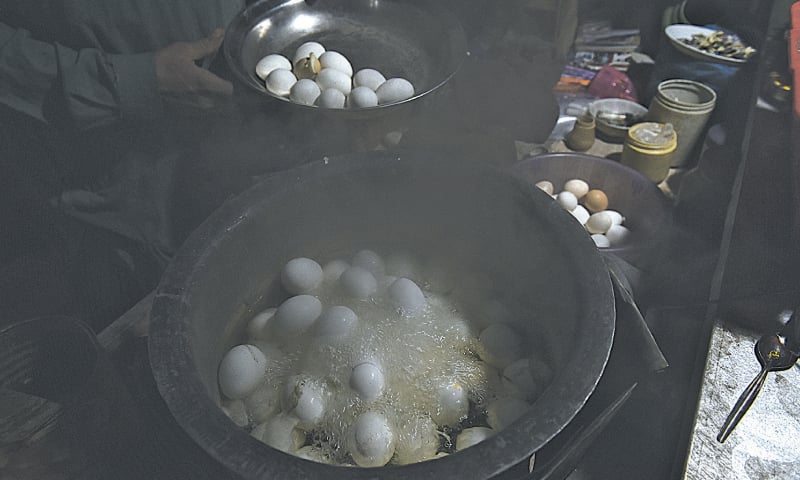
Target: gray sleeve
x=88, y=87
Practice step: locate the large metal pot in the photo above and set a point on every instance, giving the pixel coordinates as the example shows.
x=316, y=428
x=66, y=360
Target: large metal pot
x=454, y=211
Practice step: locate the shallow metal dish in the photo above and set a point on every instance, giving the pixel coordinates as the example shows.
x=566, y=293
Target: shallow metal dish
x=413, y=39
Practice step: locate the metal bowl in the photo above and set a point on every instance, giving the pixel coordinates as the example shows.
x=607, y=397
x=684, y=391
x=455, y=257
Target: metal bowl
x=414, y=39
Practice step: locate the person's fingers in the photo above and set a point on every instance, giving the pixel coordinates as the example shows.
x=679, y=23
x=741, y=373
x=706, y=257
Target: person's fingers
x=205, y=46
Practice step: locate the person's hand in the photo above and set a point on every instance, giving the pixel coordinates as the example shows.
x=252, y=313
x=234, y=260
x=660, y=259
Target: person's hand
x=180, y=79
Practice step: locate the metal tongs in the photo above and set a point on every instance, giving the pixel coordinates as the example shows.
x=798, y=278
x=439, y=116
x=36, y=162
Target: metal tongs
x=775, y=352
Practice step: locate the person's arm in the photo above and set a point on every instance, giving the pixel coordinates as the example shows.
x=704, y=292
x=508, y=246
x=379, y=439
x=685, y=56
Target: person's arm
x=88, y=87
x=85, y=87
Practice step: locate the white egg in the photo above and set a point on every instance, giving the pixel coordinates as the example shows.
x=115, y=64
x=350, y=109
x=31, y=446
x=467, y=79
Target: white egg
x=369, y=260
x=616, y=217
x=280, y=432
x=519, y=379
x=307, y=49
x=366, y=379
x=452, y=404
x=546, y=186
x=372, y=440
x=368, y=77
x=236, y=411
x=331, y=78
x=406, y=296
x=264, y=403
x=331, y=98
x=305, y=92
x=280, y=81
x=333, y=270
x=567, y=200
x=362, y=97
x=504, y=411
x=266, y=65
x=295, y=315
x=301, y=275
x=337, y=61
x=417, y=440
x=617, y=234
x=394, y=90
x=305, y=399
x=599, y=222
x=358, y=283
x=581, y=214
x=577, y=187
x=472, y=436
x=600, y=240
x=500, y=345
x=336, y=321
x=241, y=371
x=258, y=326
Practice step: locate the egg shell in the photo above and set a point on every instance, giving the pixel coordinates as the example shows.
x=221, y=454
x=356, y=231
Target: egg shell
x=241, y=371
x=373, y=440
x=362, y=97
x=369, y=260
x=577, y=187
x=336, y=321
x=617, y=235
x=567, y=200
x=337, y=61
x=301, y=275
x=392, y=139
x=472, y=436
x=599, y=222
x=264, y=403
x=406, y=296
x=307, y=49
x=518, y=377
x=314, y=453
x=296, y=315
x=333, y=270
x=358, y=283
x=394, y=90
x=305, y=92
x=452, y=404
x=305, y=399
x=266, y=65
x=595, y=201
x=500, y=345
x=332, y=78
x=280, y=81
x=616, y=217
x=417, y=440
x=307, y=68
x=331, y=98
x=368, y=77
x=504, y=411
x=581, y=214
x=258, y=328
x=280, y=432
x=600, y=240
x=367, y=380
x=546, y=186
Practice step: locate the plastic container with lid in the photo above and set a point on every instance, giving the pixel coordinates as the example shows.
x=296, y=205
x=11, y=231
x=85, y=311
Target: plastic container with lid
x=649, y=149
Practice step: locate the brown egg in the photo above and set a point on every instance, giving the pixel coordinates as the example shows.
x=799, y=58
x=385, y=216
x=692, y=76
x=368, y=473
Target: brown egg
x=595, y=201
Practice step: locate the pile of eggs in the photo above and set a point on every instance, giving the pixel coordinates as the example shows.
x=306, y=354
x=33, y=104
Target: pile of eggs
x=590, y=207
x=325, y=78
x=362, y=366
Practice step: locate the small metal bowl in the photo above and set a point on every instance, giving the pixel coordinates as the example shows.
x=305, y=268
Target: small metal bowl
x=413, y=39
x=614, y=116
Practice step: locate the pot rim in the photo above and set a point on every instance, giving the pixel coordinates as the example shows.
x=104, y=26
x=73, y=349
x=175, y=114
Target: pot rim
x=181, y=387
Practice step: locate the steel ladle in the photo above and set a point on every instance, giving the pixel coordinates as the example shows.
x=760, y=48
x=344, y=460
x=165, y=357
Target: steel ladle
x=774, y=355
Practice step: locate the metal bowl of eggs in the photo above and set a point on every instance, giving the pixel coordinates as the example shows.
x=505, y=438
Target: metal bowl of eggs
x=356, y=57
x=625, y=213
x=447, y=361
